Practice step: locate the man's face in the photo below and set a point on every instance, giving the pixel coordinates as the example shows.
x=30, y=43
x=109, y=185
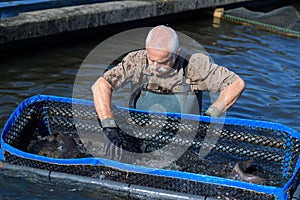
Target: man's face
x=160, y=61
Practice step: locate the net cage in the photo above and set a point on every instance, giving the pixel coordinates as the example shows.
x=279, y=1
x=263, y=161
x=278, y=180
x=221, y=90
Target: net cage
x=284, y=20
x=272, y=148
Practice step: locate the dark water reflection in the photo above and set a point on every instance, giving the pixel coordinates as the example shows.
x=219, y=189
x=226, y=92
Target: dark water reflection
x=268, y=63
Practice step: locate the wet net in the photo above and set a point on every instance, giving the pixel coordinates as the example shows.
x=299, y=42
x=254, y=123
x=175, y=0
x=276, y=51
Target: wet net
x=273, y=152
x=285, y=20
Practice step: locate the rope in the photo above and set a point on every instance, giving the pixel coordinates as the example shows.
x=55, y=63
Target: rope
x=269, y=26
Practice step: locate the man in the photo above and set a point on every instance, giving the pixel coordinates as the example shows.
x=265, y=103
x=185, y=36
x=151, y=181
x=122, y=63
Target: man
x=171, y=75
x=159, y=59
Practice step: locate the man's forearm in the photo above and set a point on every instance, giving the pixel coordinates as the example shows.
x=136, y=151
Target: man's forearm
x=102, y=98
x=229, y=95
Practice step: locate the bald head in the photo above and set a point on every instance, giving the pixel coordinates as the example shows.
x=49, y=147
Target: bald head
x=162, y=38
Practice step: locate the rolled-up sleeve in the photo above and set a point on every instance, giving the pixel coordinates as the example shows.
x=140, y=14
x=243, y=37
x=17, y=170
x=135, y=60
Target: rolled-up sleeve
x=126, y=71
x=203, y=74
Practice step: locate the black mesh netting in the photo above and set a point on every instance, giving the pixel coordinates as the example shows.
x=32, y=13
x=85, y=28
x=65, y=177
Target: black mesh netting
x=272, y=153
x=285, y=20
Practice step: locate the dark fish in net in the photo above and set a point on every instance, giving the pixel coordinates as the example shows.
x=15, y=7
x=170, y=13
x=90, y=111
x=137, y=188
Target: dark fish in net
x=58, y=145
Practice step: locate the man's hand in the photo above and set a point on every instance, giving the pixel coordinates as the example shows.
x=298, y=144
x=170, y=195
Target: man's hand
x=113, y=140
x=117, y=141
x=213, y=112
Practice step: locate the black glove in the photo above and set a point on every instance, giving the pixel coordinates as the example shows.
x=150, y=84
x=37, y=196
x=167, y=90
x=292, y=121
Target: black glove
x=111, y=131
x=113, y=143
x=116, y=140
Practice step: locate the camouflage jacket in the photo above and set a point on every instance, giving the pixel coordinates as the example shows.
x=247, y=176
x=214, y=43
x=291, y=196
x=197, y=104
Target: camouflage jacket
x=201, y=74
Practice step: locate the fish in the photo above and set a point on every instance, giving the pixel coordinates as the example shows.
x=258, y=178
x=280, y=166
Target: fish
x=58, y=145
x=242, y=171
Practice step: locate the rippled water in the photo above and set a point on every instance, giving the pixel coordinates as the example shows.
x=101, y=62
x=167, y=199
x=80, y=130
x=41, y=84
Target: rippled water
x=268, y=63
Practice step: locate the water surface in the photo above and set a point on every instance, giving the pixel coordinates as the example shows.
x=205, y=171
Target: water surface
x=268, y=63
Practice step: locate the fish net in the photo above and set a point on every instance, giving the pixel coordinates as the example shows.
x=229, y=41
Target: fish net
x=285, y=20
x=274, y=152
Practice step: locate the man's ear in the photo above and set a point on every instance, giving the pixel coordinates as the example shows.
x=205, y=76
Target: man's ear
x=178, y=51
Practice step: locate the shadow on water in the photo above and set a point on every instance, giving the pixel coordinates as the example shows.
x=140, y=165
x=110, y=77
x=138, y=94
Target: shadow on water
x=268, y=63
